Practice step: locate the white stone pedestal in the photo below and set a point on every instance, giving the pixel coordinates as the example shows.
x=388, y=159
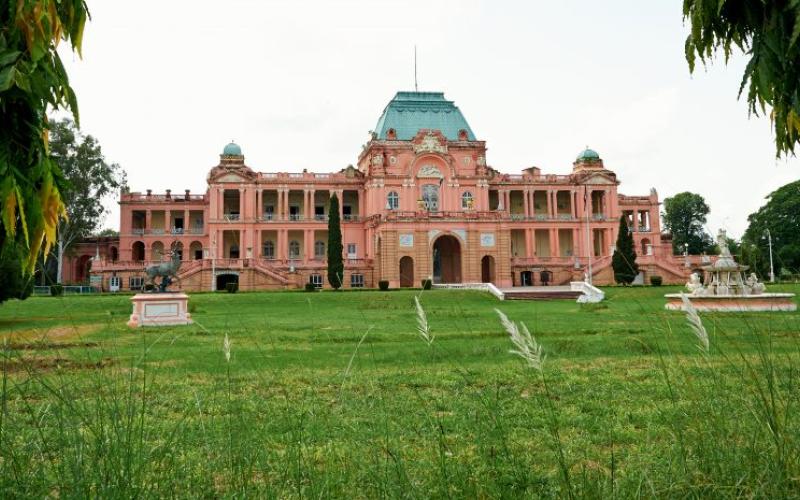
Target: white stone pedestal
x=160, y=309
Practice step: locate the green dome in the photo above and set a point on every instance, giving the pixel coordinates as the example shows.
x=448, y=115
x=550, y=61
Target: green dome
x=588, y=154
x=232, y=149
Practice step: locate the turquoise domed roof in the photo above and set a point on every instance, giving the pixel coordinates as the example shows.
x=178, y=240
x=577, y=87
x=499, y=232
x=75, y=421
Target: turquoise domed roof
x=408, y=112
x=232, y=149
x=588, y=154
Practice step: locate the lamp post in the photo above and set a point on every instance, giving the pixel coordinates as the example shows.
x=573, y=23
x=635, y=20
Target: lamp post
x=771, y=269
x=212, y=253
x=686, y=255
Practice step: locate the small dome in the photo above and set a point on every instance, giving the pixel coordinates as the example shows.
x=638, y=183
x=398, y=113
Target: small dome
x=232, y=149
x=588, y=154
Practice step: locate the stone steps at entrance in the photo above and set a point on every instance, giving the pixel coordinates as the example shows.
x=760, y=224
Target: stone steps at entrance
x=554, y=295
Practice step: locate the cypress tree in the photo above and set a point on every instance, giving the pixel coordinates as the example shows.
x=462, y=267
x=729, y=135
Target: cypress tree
x=624, y=259
x=335, y=263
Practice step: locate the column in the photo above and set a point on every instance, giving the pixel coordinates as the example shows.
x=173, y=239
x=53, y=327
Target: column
x=635, y=217
x=242, y=207
x=528, y=243
x=259, y=204
x=283, y=245
x=525, y=203
x=576, y=247
x=186, y=229
x=340, y=195
x=286, y=194
x=308, y=245
x=148, y=221
x=555, y=247
x=167, y=223
x=574, y=203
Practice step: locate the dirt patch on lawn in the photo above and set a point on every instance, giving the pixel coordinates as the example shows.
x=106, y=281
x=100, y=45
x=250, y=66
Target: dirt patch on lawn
x=49, y=363
x=59, y=337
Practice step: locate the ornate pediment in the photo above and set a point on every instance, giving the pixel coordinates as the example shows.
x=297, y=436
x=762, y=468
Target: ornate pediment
x=230, y=178
x=230, y=175
x=599, y=178
x=431, y=143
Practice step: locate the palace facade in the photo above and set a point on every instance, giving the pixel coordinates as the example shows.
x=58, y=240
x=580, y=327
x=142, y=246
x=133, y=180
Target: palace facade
x=422, y=201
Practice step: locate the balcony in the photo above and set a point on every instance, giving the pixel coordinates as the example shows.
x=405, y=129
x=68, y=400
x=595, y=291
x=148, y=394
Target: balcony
x=350, y=218
x=598, y=217
x=231, y=217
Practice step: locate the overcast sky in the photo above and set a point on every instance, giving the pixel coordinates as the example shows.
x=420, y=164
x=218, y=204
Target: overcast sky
x=165, y=85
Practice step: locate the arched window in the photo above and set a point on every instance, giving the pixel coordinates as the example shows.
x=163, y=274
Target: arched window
x=467, y=201
x=392, y=201
x=430, y=196
x=294, y=249
x=319, y=249
x=269, y=249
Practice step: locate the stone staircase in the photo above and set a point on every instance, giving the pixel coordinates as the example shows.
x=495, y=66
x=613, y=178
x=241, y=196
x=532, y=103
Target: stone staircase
x=542, y=293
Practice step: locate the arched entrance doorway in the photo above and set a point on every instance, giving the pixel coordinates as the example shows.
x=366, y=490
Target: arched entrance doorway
x=446, y=260
x=406, y=272
x=487, y=269
x=224, y=279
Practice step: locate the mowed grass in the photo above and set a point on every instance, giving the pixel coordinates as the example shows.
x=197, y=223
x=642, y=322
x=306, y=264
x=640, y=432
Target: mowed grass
x=335, y=394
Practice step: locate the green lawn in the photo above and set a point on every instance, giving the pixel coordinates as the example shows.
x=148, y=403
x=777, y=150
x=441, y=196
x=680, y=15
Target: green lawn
x=335, y=394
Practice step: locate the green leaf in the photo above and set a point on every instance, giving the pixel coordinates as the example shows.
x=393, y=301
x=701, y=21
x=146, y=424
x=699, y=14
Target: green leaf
x=6, y=78
x=9, y=57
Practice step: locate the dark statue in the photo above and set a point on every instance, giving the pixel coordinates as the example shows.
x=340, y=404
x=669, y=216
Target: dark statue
x=167, y=271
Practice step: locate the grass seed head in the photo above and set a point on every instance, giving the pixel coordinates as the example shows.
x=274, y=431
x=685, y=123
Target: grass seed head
x=526, y=345
x=226, y=348
x=695, y=323
x=423, y=327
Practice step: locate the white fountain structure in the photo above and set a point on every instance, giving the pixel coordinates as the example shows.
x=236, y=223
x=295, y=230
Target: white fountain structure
x=729, y=289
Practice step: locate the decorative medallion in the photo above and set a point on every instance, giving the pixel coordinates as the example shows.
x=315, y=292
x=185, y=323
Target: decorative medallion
x=487, y=239
x=407, y=240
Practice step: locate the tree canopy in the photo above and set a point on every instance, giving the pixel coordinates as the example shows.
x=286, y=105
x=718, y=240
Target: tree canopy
x=32, y=82
x=767, y=32
x=685, y=217
x=88, y=180
x=781, y=216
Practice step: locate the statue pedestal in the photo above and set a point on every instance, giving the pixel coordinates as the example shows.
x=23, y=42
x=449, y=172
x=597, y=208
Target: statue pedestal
x=160, y=309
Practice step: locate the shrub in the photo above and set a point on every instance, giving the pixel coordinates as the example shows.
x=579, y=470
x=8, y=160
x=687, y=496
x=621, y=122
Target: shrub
x=427, y=284
x=656, y=280
x=232, y=287
x=310, y=287
x=56, y=290
x=383, y=285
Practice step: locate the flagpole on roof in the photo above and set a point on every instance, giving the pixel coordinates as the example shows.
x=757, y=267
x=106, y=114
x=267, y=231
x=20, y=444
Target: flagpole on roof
x=416, y=88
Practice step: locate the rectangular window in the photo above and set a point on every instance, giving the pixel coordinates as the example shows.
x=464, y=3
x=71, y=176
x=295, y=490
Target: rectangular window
x=356, y=281
x=135, y=282
x=294, y=212
x=351, y=251
x=316, y=280
x=269, y=212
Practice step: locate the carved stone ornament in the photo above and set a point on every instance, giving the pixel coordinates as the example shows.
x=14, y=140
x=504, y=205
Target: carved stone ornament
x=481, y=161
x=430, y=144
x=377, y=160
x=429, y=172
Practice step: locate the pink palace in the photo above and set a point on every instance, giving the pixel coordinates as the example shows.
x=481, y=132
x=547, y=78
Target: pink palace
x=422, y=202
